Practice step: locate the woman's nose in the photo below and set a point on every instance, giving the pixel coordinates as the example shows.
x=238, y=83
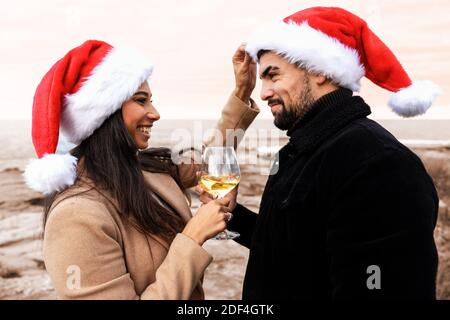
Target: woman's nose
x=153, y=114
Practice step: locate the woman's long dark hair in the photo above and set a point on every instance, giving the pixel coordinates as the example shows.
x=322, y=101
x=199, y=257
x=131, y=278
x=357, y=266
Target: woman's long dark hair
x=111, y=160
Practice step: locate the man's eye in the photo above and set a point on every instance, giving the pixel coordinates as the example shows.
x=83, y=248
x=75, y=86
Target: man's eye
x=141, y=101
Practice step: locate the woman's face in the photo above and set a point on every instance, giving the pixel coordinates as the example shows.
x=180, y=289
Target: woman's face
x=138, y=114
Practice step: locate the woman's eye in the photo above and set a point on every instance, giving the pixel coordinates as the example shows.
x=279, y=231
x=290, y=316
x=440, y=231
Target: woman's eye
x=141, y=101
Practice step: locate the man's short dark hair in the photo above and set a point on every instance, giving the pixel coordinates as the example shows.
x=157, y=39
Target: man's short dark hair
x=261, y=52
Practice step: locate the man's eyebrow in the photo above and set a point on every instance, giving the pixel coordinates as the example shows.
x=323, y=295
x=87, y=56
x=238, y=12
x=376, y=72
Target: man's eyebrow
x=142, y=93
x=267, y=70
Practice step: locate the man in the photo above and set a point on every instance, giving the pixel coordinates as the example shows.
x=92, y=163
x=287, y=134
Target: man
x=350, y=212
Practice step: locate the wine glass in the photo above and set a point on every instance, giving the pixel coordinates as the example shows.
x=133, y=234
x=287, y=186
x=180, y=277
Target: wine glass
x=220, y=175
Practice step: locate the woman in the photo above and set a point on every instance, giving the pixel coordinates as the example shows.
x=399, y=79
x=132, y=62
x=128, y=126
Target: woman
x=118, y=225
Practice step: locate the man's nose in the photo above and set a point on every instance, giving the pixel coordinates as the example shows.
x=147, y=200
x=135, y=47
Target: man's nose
x=266, y=93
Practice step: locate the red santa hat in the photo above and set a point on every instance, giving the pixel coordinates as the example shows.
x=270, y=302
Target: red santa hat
x=76, y=96
x=338, y=44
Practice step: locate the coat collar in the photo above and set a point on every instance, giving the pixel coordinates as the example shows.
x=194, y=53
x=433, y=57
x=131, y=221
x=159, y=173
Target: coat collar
x=327, y=115
x=166, y=187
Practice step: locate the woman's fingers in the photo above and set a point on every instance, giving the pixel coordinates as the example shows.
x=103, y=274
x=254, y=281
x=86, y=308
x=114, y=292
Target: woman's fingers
x=239, y=55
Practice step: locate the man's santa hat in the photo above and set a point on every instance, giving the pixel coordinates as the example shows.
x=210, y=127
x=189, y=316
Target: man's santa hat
x=338, y=44
x=77, y=95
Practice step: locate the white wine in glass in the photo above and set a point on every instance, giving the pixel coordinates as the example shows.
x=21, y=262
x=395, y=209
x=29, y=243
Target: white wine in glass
x=220, y=175
x=218, y=187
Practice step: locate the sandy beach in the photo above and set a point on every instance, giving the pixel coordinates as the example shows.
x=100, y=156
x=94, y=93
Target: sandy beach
x=22, y=270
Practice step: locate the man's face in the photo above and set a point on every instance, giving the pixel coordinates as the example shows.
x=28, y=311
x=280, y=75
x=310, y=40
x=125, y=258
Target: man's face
x=286, y=88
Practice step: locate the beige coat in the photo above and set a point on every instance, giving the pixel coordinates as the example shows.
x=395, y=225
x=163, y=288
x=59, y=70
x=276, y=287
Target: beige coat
x=91, y=253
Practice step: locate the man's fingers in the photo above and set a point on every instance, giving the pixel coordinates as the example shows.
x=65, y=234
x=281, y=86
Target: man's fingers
x=227, y=216
x=223, y=201
x=205, y=197
x=224, y=209
x=234, y=192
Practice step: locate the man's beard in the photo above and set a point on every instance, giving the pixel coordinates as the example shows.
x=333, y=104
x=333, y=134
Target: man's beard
x=286, y=118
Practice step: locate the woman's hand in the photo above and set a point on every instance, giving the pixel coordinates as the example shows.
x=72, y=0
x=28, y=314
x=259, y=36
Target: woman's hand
x=244, y=73
x=210, y=220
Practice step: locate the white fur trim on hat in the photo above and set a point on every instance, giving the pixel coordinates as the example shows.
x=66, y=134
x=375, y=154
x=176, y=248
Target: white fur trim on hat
x=311, y=49
x=415, y=99
x=52, y=172
x=111, y=83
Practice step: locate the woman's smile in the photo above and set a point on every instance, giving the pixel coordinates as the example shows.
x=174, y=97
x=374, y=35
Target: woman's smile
x=145, y=130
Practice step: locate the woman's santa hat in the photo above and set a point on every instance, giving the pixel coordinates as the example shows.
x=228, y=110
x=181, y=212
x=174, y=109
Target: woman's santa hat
x=338, y=44
x=77, y=95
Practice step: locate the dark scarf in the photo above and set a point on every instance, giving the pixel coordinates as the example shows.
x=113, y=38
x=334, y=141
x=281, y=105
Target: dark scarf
x=325, y=117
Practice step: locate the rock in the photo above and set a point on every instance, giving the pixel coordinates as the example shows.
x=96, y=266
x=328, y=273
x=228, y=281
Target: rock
x=30, y=286
x=14, y=265
x=15, y=196
x=442, y=237
x=24, y=226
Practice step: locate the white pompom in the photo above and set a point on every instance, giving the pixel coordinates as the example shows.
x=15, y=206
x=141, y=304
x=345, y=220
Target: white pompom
x=53, y=172
x=415, y=99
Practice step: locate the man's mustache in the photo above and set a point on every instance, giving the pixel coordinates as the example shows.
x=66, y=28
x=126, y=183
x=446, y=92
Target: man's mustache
x=272, y=102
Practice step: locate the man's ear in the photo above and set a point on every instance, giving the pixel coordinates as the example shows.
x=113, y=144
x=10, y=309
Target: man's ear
x=321, y=85
x=320, y=80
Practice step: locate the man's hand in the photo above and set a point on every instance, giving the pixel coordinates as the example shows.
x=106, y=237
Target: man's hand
x=244, y=73
x=205, y=197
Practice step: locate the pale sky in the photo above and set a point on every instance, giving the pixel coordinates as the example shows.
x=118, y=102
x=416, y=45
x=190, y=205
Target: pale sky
x=191, y=43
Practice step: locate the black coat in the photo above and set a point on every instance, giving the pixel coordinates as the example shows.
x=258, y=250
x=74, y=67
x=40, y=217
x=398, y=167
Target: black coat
x=347, y=196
